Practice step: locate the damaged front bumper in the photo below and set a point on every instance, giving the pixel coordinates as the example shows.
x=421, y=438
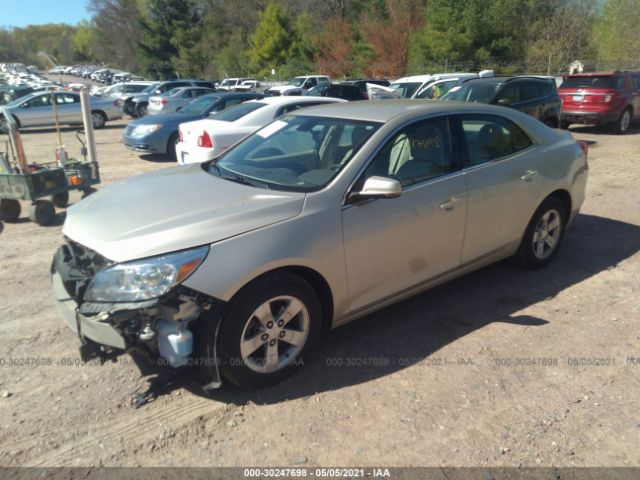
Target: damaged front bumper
x=165, y=327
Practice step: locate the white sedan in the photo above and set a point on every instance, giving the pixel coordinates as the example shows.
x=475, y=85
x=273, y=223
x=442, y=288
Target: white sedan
x=203, y=140
x=174, y=99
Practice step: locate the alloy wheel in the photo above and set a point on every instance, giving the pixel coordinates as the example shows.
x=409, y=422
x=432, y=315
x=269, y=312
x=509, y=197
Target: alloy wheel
x=275, y=334
x=547, y=234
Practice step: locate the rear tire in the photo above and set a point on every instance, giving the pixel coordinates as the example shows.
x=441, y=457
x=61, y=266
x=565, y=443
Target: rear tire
x=10, y=210
x=543, y=235
x=141, y=109
x=261, y=317
x=98, y=119
x=621, y=126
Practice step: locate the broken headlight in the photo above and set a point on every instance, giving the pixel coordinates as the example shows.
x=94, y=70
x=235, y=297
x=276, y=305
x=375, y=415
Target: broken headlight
x=144, y=279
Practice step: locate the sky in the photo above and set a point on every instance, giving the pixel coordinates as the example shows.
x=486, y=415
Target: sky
x=20, y=13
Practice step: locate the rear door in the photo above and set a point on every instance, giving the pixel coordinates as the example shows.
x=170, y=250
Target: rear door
x=68, y=106
x=635, y=92
x=503, y=171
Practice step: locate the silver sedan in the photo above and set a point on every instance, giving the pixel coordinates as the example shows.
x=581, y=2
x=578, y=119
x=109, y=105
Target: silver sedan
x=175, y=99
x=319, y=218
x=36, y=110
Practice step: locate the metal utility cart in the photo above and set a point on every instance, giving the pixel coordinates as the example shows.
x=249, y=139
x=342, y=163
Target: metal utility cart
x=35, y=182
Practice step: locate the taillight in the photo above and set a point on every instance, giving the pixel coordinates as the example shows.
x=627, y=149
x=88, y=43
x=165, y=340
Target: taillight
x=585, y=147
x=180, y=139
x=164, y=102
x=204, y=140
x=117, y=103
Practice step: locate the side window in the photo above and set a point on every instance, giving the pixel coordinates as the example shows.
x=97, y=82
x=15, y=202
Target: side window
x=187, y=94
x=64, y=98
x=40, y=101
x=529, y=91
x=416, y=153
x=509, y=93
x=636, y=83
x=490, y=137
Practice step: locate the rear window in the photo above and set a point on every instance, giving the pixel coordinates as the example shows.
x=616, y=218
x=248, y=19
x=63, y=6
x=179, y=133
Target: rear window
x=232, y=114
x=595, y=81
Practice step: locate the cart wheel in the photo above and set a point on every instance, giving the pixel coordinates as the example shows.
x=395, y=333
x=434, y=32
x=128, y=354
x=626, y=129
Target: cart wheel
x=42, y=212
x=60, y=200
x=88, y=191
x=9, y=210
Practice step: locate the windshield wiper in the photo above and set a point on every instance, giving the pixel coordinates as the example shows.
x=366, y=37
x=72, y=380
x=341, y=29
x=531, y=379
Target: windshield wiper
x=238, y=178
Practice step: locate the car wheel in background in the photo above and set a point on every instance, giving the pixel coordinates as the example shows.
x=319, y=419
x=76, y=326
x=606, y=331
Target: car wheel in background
x=9, y=210
x=269, y=328
x=141, y=110
x=60, y=200
x=171, y=147
x=42, y=212
x=622, y=124
x=543, y=235
x=98, y=119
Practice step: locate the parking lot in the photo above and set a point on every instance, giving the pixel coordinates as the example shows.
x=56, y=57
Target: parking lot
x=503, y=367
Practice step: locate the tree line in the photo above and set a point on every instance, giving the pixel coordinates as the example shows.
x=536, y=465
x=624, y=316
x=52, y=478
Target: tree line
x=275, y=39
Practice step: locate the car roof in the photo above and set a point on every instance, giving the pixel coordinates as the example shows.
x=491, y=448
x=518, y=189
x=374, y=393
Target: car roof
x=386, y=110
x=431, y=76
x=288, y=99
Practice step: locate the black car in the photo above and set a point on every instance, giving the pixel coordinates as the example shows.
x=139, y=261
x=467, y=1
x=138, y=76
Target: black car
x=361, y=83
x=345, y=91
x=536, y=96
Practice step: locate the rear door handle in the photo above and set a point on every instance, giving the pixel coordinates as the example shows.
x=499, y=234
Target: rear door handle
x=528, y=176
x=450, y=203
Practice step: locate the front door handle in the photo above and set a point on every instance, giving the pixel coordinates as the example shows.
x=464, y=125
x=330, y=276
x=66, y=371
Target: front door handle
x=450, y=203
x=528, y=175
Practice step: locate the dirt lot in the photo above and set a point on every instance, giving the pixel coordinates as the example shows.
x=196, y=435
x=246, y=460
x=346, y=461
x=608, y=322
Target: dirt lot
x=500, y=368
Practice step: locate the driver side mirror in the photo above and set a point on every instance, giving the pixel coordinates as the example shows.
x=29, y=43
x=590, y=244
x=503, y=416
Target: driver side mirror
x=505, y=102
x=377, y=187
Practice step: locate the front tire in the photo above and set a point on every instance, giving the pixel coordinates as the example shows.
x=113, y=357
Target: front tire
x=171, y=147
x=543, y=236
x=268, y=330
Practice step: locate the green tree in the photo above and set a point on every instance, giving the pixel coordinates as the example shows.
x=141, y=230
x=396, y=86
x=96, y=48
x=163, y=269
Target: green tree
x=83, y=40
x=165, y=31
x=272, y=42
x=617, y=34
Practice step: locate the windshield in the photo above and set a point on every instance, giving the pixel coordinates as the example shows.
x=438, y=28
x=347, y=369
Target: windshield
x=593, y=81
x=406, y=89
x=228, y=83
x=295, y=153
x=151, y=88
x=236, y=112
x=472, y=92
x=199, y=105
x=296, y=82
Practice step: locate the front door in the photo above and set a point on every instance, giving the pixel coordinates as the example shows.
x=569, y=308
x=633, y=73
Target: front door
x=392, y=245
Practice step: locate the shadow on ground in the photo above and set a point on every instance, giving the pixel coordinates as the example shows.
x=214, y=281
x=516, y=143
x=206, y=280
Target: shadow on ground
x=412, y=330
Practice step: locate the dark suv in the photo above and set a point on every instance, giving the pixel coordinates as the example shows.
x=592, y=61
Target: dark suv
x=536, y=96
x=346, y=91
x=136, y=105
x=601, y=98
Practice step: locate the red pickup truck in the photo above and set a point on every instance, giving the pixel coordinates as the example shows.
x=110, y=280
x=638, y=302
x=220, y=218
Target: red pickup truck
x=601, y=98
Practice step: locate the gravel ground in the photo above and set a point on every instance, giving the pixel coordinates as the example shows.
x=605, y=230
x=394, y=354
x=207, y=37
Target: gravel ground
x=500, y=368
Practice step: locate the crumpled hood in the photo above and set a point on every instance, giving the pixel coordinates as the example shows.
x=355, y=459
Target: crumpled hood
x=173, y=209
